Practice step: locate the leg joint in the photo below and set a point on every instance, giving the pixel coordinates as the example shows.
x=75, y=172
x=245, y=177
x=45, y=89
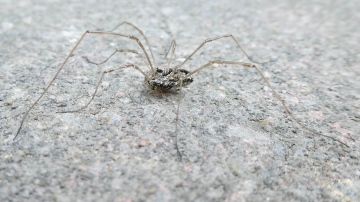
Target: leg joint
x=207, y=40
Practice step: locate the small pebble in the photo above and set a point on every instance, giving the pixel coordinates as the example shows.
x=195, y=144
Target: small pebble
x=143, y=143
x=8, y=101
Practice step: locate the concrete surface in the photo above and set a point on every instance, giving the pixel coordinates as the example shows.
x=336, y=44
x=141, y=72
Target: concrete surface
x=237, y=142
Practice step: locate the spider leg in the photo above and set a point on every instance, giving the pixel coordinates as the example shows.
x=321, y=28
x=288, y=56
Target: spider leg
x=117, y=51
x=245, y=64
x=173, y=43
x=217, y=38
x=142, y=33
x=66, y=60
x=177, y=118
x=283, y=103
x=130, y=37
x=172, y=48
x=100, y=80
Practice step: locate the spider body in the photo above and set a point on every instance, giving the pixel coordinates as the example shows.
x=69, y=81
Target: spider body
x=163, y=79
x=167, y=79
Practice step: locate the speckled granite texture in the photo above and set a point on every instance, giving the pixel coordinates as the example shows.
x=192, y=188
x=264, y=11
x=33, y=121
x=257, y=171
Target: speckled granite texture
x=237, y=142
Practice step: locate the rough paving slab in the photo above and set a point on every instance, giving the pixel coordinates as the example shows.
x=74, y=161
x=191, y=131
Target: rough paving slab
x=237, y=142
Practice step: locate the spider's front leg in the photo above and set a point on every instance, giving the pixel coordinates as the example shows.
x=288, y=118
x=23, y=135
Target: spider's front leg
x=119, y=51
x=217, y=38
x=66, y=60
x=140, y=32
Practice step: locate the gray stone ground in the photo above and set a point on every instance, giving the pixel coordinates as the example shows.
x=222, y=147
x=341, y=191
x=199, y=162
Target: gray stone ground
x=237, y=142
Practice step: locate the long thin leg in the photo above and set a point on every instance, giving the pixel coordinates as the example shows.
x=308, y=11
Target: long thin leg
x=139, y=30
x=272, y=89
x=67, y=58
x=172, y=48
x=217, y=38
x=130, y=37
x=100, y=80
x=117, y=51
x=173, y=42
x=176, y=120
x=180, y=95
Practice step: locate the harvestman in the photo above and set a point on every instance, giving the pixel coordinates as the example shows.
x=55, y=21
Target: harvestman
x=163, y=79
